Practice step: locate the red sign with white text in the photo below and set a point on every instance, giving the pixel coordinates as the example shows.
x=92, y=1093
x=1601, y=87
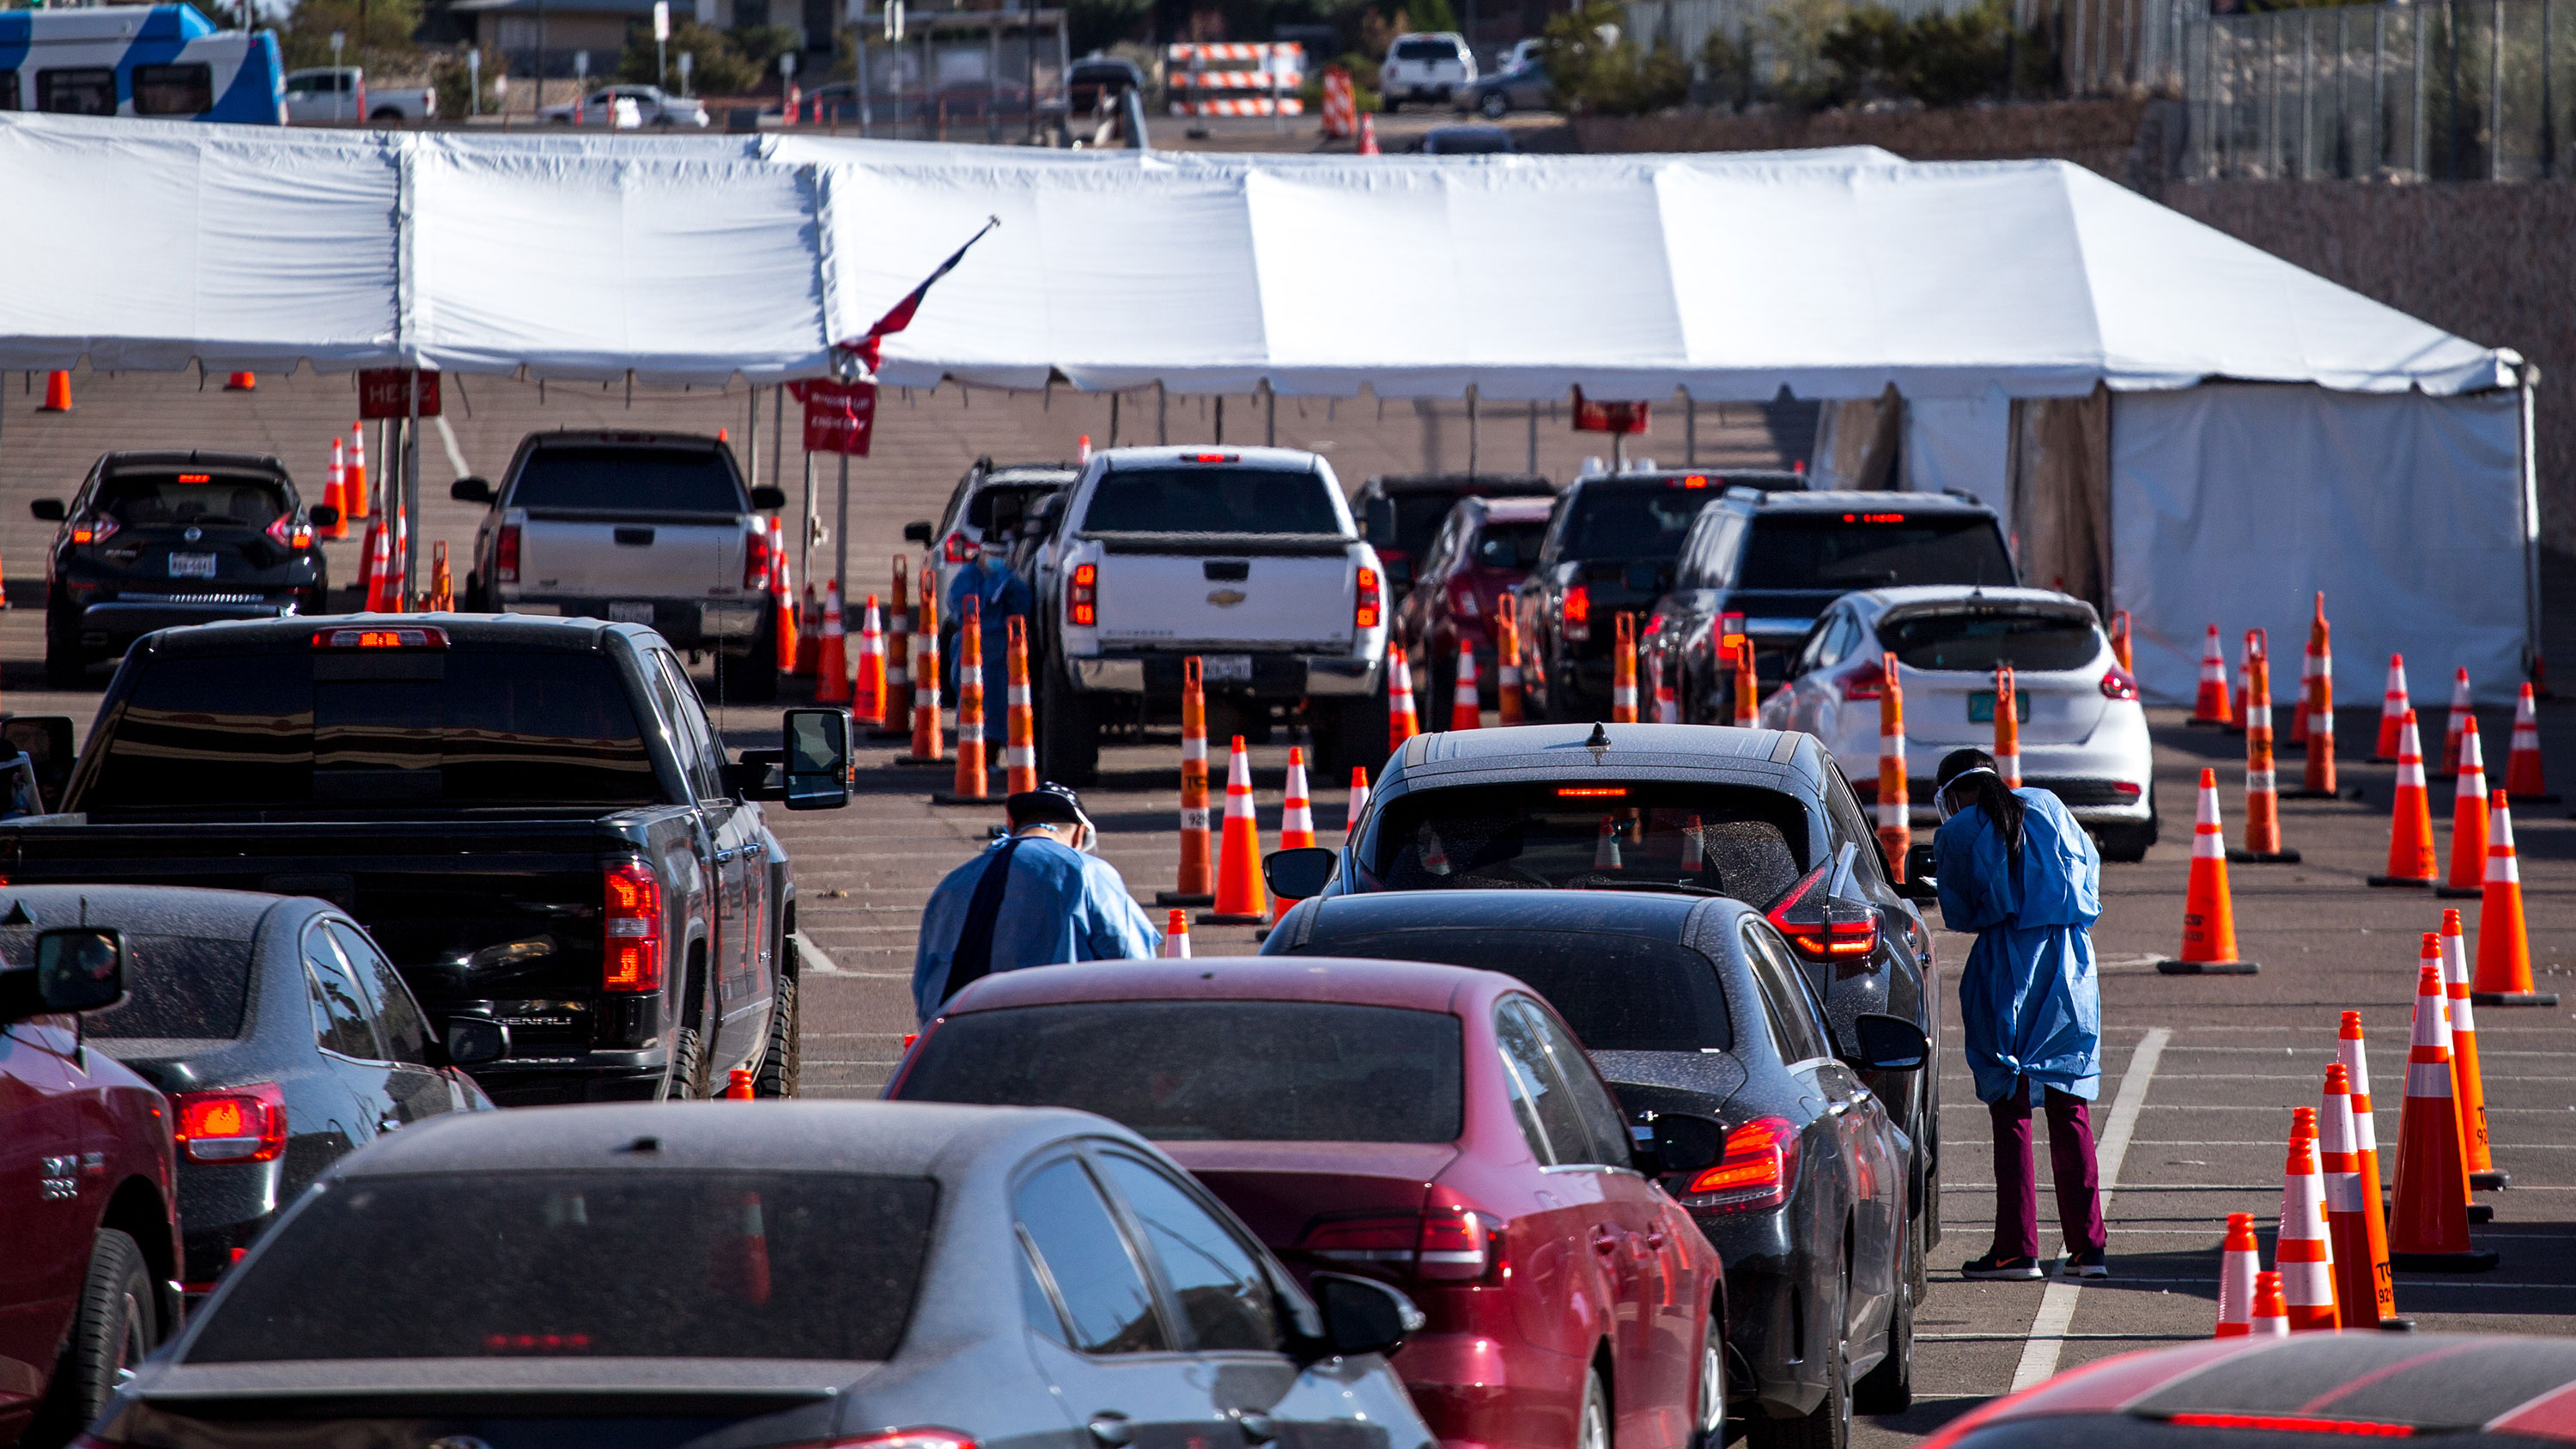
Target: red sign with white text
x=1608, y=417
x=380, y=393
x=840, y=417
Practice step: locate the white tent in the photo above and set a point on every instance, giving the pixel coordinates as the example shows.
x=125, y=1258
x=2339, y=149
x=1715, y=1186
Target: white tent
x=1970, y=289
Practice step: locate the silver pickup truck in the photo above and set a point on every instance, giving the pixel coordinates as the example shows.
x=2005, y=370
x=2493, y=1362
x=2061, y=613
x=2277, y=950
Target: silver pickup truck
x=634, y=528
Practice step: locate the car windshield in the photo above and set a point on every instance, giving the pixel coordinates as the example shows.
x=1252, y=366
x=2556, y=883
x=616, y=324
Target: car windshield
x=186, y=987
x=1210, y=499
x=1227, y=1071
x=1632, y=520
x=493, y=727
x=628, y=479
x=1592, y=834
x=1848, y=551
x=1619, y=993
x=619, y=1264
x=1509, y=545
x=1977, y=640
x=177, y=500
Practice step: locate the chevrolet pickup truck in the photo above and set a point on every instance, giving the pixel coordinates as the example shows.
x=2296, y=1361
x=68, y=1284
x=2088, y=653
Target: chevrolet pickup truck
x=534, y=818
x=1244, y=557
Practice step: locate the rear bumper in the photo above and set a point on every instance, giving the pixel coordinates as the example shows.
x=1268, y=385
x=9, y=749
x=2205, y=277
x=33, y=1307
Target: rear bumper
x=687, y=623
x=1766, y=1273
x=591, y=1077
x=122, y=621
x=1276, y=675
x=1477, y=1390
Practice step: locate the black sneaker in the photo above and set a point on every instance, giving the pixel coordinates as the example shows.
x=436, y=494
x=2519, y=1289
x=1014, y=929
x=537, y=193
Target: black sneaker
x=2083, y=1265
x=1993, y=1267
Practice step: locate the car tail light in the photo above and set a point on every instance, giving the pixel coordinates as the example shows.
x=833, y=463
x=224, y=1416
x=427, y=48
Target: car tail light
x=1368, y=604
x=505, y=554
x=957, y=549
x=1824, y=926
x=1867, y=682
x=2117, y=684
x=98, y=528
x=406, y=638
x=1730, y=633
x=1761, y=1161
x=2295, y=1424
x=1082, y=595
x=906, y=1439
x=1578, y=613
x=1457, y=1245
x=1213, y=458
x=232, y=1124
x=1447, y=1244
x=631, y=938
x=1462, y=601
x=759, y=556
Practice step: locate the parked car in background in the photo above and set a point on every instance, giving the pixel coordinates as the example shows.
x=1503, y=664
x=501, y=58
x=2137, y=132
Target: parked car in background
x=1429, y=1126
x=653, y=107
x=1519, y=86
x=988, y=504
x=282, y=1036
x=1699, y=1007
x=1097, y=79
x=1479, y=557
x=92, y=1220
x=812, y=1273
x=152, y=540
x=1403, y=512
x=323, y=94
x=832, y=101
x=2083, y=731
x=1425, y=67
x=1466, y=141
x=1524, y=50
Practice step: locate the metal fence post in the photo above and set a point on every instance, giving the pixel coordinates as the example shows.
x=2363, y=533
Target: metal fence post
x=2495, y=90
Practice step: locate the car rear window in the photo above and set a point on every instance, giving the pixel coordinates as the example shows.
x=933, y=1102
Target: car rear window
x=1418, y=517
x=1980, y=639
x=176, y=500
x=1223, y=1071
x=1021, y=498
x=1619, y=993
x=1425, y=50
x=1509, y=545
x=1592, y=834
x=1210, y=499
x=628, y=479
x=1872, y=551
x=483, y=727
x=792, y=1265
x=175, y=986
x=1631, y=520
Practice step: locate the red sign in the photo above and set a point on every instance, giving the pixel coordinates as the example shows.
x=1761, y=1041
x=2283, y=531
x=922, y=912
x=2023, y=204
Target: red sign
x=839, y=416
x=381, y=393
x=1608, y=417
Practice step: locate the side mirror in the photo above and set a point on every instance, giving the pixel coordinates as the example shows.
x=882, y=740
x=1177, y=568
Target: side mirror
x=1362, y=1315
x=917, y=531
x=751, y=779
x=470, y=490
x=323, y=515
x=1921, y=889
x=768, y=497
x=80, y=968
x=817, y=759
x=1678, y=1142
x=1380, y=523
x=48, y=509
x=1298, y=874
x=1890, y=1043
x=474, y=1040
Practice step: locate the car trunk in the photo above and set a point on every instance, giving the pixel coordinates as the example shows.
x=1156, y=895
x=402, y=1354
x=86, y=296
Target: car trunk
x=1271, y=593
x=1946, y=658
x=594, y=555
x=1279, y=1188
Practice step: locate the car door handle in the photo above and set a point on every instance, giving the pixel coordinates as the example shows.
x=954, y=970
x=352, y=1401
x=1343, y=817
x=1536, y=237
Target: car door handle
x=1604, y=1241
x=1111, y=1429
x=1256, y=1426
x=725, y=856
x=1837, y=1109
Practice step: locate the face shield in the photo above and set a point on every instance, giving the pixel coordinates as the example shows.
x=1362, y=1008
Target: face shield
x=1941, y=806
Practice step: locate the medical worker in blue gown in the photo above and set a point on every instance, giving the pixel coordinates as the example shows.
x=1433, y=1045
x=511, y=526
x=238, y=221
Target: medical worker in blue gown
x=1037, y=897
x=2017, y=871
x=999, y=594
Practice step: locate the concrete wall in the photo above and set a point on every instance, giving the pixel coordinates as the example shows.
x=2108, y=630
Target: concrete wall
x=2097, y=135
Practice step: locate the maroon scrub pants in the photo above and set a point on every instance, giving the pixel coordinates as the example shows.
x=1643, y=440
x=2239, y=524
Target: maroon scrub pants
x=2070, y=1158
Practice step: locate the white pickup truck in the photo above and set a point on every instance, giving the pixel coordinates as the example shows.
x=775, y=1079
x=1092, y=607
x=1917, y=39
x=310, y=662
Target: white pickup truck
x=325, y=94
x=634, y=528
x=1245, y=557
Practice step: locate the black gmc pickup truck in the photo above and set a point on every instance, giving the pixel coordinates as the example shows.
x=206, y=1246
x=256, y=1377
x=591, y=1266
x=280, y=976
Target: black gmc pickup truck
x=533, y=816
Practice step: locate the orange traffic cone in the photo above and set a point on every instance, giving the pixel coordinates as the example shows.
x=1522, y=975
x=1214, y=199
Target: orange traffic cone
x=809, y=638
x=782, y=593
x=2352, y=1222
x=1895, y=810
x=2262, y=783
x=1357, y=807
x=2236, y=720
x=442, y=587
x=928, y=745
x=897, y=713
x=1605, y=845
x=2411, y=861
x=1240, y=898
x=2209, y=705
x=2352, y=1053
x=1623, y=671
x=2007, y=729
x=2238, y=1261
x=1196, y=885
x=1368, y=133
x=2468, y=1078
x=2522, y=773
x=1466, y=709
x=2429, y=1230
x=2121, y=647
x=58, y=393
x=359, y=500
x=335, y=492
x=380, y=568
x=2432, y=955
x=2208, y=915
x=1176, y=936
x=2393, y=708
x=1020, y=742
x=2317, y=712
x=241, y=382
x=2461, y=718
x=1507, y=660
x=1401, y=724
x=969, y=788
x=2304, y=1252
x=868, y=693
x=1296, y=819
x=2271, y=1314
x=2504, y=944
x=738, y=1085
x=2467, y=879
x=831, y=661
x=1668, y=705
x=1748, y=688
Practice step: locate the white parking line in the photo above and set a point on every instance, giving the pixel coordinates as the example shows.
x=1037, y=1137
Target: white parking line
x=2057, y=1306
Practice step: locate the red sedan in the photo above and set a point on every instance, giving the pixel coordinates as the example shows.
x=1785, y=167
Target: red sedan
x=1435, y=1126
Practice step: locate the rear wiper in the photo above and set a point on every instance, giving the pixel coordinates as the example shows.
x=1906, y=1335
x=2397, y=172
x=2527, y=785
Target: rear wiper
x=1677, y=886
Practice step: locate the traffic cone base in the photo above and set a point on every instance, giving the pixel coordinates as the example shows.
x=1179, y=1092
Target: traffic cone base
x=2238, y=855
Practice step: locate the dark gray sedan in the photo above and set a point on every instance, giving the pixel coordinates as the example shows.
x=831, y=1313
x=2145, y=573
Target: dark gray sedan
x=862, y=1275
x=1524, y=87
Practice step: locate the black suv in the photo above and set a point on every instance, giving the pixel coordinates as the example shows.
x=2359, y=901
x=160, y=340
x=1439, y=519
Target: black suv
x=1775, y=560
x=154, y=540
x=1609, y=549
x=1402, y=513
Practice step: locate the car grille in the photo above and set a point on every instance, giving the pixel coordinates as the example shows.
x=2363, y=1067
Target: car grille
x=130, y=596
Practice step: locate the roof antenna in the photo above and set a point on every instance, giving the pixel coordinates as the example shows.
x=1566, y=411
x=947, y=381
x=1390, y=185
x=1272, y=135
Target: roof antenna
x=1600, y=737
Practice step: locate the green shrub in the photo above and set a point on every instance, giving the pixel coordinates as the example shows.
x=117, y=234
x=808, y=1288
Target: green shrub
x=1596, y=69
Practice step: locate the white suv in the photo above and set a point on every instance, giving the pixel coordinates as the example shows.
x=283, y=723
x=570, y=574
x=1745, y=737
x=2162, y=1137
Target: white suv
x=1425, y=68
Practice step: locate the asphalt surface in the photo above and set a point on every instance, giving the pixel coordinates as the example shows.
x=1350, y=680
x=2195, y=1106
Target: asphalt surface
x=2199, y=1075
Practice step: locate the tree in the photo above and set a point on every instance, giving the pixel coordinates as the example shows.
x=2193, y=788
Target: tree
x=1596, y=69
x=378, y=31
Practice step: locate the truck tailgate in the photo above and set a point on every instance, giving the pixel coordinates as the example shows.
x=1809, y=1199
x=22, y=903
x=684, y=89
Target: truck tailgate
x=666, y=558
x=1210, y=596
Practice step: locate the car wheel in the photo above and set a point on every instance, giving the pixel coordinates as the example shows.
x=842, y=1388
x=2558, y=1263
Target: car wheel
x=1708, y=1430
x=687, y=1078
x=113, y=1329
x=1889, y=1388
x=1494, y=106
x=1592, y=1421
x=1068, y=734
x=1828, y=1425
x=2125, y=844
x=781, y=1065
x=1389, y=104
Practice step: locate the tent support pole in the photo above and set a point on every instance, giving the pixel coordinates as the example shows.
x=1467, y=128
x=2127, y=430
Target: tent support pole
x=1270, y=419
x=1471, y=430
x=411, y=488
x=1220, y=420
x=751, y=437
x=1690, y=431
x=841, y=524
x=2531, y=537
x=1113, y=420
x=1533, y=441
x=1162, y=416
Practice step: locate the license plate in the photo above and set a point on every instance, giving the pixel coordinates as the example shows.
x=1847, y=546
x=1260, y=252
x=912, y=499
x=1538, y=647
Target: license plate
x=1981, y=707
x=630, y=611
x=1236, y=668
x=192, y=566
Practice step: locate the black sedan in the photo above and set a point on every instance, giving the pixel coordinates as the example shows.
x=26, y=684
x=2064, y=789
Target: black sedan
x=282, y=1036
x=154, y=540
x=1698, y=1007
x=862, y=1275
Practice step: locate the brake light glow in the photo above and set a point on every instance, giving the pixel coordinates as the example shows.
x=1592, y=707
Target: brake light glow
x=1761, y=1161
x=1730, y=633
x=97, y=529
x=196, y=478
x=956, y=549
x=535, y=1342
x=1578, y=613
x=631, y=938
x=1822, y=926
x=287, y=533
x=418, y=638
x=2294, y=1424
x=1368, y=604
x=1215, y=458
x=2117, y=684
x=505, y=554
x=232, y=1124
x=1867, y=682
x=1873, y=518
x=1082, y=595
x=1592, y=792
x=759, y=556
x=906, y=1439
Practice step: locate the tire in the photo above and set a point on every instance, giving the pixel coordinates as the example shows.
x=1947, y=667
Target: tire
x=113, y=1328
x=1068, y=734
x=1494, y=106
x=2125, y=844
x=781, y=1066
x=1889, y=1388
x=1828, y=1425
x=687, y=1078
x=1389, y=104
x=1918, y=1247
x=1708, y=1426
x=1592, y=1420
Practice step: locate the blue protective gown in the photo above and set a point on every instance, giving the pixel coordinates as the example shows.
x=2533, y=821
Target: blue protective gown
x=1060, y=906
x=2029, y=1001
x=1002, y=593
